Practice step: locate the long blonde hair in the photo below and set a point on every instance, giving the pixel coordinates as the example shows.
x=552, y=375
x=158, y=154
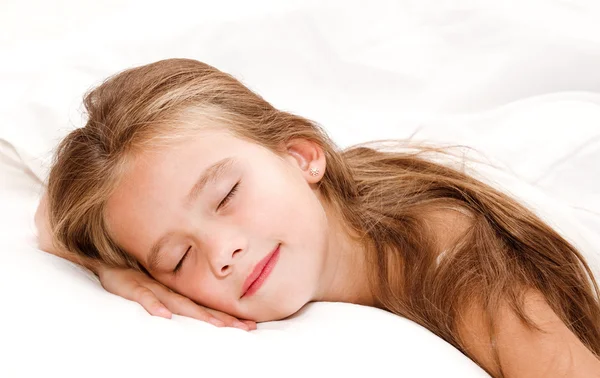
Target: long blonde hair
x=382, y=195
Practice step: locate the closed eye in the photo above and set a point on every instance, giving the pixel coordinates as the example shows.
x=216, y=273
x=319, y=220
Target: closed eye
x=180, y=263
x=229, y=196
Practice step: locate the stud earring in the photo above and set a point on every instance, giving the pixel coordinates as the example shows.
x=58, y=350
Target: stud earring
x=314, y=171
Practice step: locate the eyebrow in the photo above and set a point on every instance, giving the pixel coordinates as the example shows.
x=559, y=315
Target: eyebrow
x=210, y=174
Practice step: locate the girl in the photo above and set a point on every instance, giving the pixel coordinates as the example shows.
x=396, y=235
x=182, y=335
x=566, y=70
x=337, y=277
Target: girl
x=190, y=194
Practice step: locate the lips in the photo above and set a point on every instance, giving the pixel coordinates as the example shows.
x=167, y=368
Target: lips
x=260, y=273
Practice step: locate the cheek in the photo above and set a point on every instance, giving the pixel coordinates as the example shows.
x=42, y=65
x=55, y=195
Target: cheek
x=263, y=205
x=206, y=292
x=279, y=200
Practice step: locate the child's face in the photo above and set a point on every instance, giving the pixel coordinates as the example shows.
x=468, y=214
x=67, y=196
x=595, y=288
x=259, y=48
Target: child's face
x=273, y=204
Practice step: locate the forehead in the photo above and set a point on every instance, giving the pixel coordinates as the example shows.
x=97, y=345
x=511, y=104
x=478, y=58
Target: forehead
x=174, y=162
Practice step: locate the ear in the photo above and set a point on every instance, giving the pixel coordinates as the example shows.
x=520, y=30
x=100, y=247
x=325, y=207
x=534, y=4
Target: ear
x=309, y=157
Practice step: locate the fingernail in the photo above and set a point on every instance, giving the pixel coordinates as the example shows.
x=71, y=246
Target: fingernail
x=241, y=325
x=162, y=311
x=216, y=322
x=251, y=325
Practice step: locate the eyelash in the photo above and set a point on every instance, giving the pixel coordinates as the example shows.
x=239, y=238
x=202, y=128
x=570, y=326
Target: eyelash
x=180, y=263
x=221, y=204
x=228, y=196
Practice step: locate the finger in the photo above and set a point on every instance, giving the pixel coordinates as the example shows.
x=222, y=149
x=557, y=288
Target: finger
x=229, y=320
x=183, y=306
x=180, y=305
x=250, y=323
x=150, y=302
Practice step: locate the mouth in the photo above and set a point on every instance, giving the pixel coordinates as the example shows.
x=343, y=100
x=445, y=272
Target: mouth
x=260, y=273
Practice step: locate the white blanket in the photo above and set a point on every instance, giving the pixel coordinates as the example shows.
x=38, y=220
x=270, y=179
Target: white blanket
x=516, y=80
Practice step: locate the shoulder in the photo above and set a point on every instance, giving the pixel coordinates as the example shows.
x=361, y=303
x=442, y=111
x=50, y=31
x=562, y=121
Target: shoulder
x=551, y=350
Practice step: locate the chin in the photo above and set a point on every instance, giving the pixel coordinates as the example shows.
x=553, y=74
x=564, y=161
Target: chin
x=281, y=311
x=270, y=317
x=278, y=301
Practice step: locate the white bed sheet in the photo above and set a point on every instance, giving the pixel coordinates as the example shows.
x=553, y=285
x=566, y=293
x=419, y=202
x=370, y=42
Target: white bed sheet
x=516, y=80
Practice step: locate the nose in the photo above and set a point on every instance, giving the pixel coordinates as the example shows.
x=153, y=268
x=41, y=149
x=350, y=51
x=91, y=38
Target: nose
x=223, y=251
x=222, y=266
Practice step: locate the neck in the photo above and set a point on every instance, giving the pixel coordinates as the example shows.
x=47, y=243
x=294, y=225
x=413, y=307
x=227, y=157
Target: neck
x=344, y=278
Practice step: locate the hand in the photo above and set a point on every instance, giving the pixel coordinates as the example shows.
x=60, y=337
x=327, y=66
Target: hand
x=159, y=300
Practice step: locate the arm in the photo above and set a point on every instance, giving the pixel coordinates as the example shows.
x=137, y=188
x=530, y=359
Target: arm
x=556, y=352
x=135, y=286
